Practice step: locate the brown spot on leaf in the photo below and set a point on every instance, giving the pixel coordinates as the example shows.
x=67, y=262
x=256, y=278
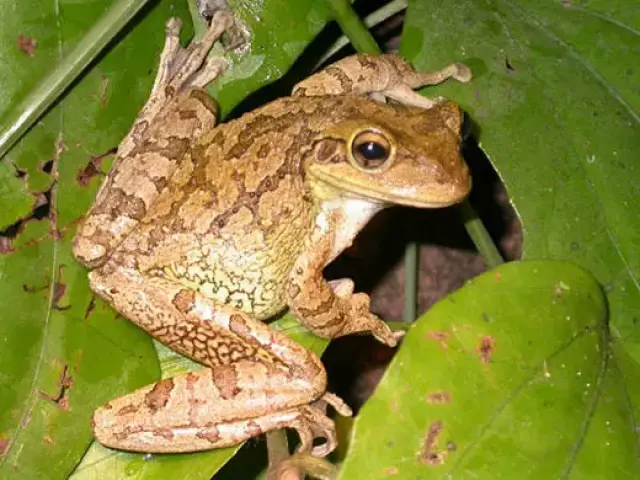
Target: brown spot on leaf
x=4, y=445
x=508, y=66
x=485, y=349
x=439, y=397
x=84, y=175
x=65, y=382
x=159, y=395
x=104, y=89
x=90, y=307
x=34, y=289
x=59, y=289
x=440, y=337
x=5, y=245
x=430, y=455
x=26, y=45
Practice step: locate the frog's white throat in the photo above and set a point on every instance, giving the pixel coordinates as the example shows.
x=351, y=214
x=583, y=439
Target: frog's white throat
x=351, y=213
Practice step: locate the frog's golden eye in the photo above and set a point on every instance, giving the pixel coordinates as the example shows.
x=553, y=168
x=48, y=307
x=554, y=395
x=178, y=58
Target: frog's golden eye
x=371, y=150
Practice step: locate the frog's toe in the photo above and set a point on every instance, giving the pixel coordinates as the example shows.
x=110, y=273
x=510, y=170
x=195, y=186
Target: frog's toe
x=321, y=427
x=337, y=403
x=174, y=25
x=384, y=334
x=313, y=423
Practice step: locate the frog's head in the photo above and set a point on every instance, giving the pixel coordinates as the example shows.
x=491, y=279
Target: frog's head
x=393, y=155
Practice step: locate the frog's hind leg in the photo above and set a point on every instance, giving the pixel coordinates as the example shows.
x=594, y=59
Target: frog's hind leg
x=383, y=76
x=158, y=143
x=204, y=410
x=259, y=379
x=178, y=67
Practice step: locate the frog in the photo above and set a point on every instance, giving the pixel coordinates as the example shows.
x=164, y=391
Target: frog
x=202, y=232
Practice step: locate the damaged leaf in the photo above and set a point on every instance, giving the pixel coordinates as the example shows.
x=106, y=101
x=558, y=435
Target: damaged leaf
x=512, y=376
x=15, y=200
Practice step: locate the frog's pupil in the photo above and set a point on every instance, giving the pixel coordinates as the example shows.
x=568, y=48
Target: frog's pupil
x=372, y=151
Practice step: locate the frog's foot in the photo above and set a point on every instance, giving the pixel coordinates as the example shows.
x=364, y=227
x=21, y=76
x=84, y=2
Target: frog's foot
x=180, y=68
x=313, y=423
x=360, y=319
x=186, y=66
x=363, y=320
x=342, y=287
x=380, y=77
x=408, y=79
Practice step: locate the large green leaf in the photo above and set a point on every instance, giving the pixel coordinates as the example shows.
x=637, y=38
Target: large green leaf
x=555, y=97
x=509, y=377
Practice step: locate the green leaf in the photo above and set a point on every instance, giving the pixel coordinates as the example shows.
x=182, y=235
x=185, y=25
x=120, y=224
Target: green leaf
x=276, y=41
x=556, y=103
x=509, y=377
x=16, y=202
x=68, y=352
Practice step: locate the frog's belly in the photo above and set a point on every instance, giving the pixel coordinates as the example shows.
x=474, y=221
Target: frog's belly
x=251, y=278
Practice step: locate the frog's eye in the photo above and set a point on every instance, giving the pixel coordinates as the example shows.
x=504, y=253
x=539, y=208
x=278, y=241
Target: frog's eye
x=371, y=150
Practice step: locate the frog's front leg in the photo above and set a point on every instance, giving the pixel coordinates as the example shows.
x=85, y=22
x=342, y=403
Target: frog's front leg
x=259, y=379
x=383, y=76
x=159, y=141
x=330, y=309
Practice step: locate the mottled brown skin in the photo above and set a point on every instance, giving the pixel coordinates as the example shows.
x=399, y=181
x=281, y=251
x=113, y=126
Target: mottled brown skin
x=199, y=233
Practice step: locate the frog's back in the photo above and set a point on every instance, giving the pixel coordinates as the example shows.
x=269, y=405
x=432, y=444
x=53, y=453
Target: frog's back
x=233, y=219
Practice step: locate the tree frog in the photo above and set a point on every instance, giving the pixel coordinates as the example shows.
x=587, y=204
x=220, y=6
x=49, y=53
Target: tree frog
x=199, y=233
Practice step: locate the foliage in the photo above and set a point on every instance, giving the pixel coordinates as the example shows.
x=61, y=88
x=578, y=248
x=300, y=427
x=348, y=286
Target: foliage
x=516, y=373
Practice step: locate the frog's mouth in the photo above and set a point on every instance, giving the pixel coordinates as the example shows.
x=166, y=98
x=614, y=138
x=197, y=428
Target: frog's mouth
x=426, y=197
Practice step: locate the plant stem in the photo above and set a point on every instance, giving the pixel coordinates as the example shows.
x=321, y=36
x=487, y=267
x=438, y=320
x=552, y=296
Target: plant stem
x=479, y=235
x=277, y=447
x=411, y=268
x=353, y=27
x=371, y=20
x=22, y=117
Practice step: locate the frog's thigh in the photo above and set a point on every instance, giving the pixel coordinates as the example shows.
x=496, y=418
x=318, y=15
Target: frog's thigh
x=140, y=175
x=257, y=374
x=205, y=410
